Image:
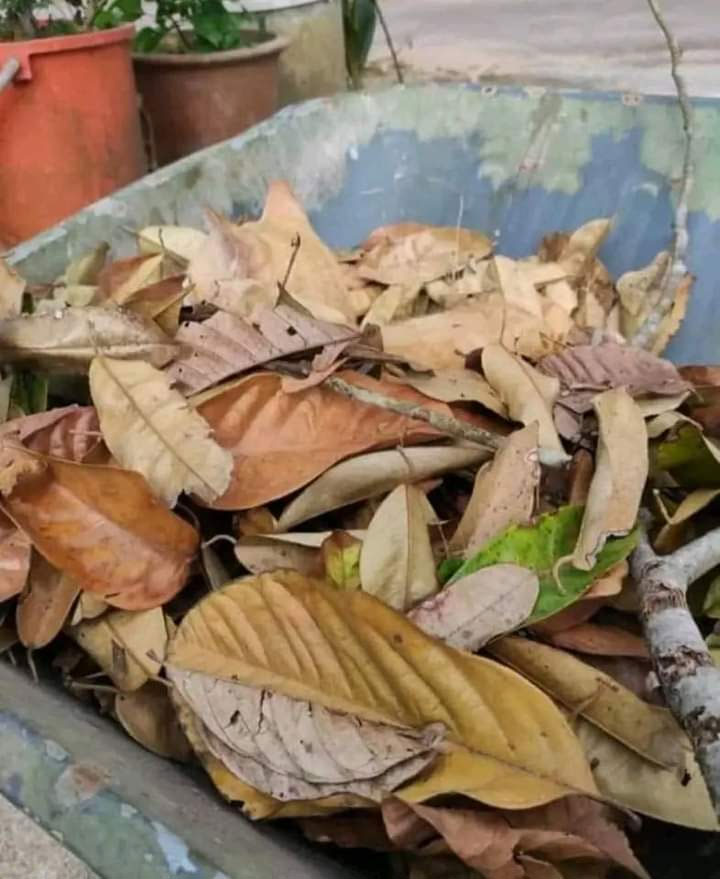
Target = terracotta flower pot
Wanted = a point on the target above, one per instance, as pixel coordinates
(196, 99)
(69, 129)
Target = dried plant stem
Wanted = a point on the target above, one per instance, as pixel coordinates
(444, 423)
(390, 42)
(676, 269)
(687, 673)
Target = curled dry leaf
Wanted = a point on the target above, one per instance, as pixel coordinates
(529, 396)
(503, 494)
(15, 551)
(150, 428)
(472, 611)
(294, 750)
(129, 646)
(148, 716)
(45, 604)
(678, 796)
(260, 554)
(600, 641)
(100, 525)
(511, 751)
(280, 442)
(67, 339)
(225, 345)
(619, 479)
(396, 561)
(497, 844)
(367, 476)
(650, 731)
(70, 432)
(161, 302)
(12, 288)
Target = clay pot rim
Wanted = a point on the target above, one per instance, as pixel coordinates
(273, 46)
(68, 42)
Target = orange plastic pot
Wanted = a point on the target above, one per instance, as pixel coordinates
(194, 100)
(69, 128)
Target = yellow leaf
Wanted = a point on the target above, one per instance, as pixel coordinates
(503, 494)
(178, 241)
(529, 396)
(396, 561)
(582, 689)
(150, 428)
(619, 479)
(351, 653)
(341, 556)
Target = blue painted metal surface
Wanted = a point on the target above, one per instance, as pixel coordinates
(515, 162)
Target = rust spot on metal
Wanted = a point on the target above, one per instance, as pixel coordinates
(79, 783)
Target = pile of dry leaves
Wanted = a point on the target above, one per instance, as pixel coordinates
(353, 529)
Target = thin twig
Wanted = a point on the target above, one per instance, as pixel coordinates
(295, 245)
(676, 269)
(444, 423)
(689, 678)
(389, 40)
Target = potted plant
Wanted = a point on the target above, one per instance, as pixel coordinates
(70, 131)
(204, 74)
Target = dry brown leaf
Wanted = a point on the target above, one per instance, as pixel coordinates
(516, 284)
(670, 324)
(456, 386)
(394, 303)
(477, 608)
(129, 646)
(417, 254)
(678, 796)
(294, 750)
(160, 302)
(71, 432)
(650, 731)
(100, 525)
(148, 716)
(15, 551)
(88, 607)
(396, 561)
(45, 604)
(579, 250)
(12, 287)
(600, 640)
(503, 494)
(225, 345)
(357, 829)
(367, 476)
(67, 339)
(178, 241)
(280, 442)
(497, 844)
(85, 270)
(619, 479)
(529, 396)
(584, 370)
(260, 554)
(150, 428)
(352, 654)
(638, 292)
(121, 280)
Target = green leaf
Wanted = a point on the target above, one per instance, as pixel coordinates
(147, 39)
(360, 18)
(29, 393)
(691, 458)
(539, 547)
(711, 604)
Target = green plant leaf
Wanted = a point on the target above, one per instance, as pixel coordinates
(29, 393)
(691, 458)
(539, 547)
(147, 39)
(360, 18)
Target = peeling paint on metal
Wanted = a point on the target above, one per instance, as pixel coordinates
(79, 783)
(176, 852)
(128, 811)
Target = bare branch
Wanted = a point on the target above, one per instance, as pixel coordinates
(689, 678)
(444, 423)
(676, 269)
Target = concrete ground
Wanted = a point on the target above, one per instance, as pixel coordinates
(614, 44)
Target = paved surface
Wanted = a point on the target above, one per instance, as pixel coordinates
(26, 852)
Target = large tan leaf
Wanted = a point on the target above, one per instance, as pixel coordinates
(675, 795)
(100, 525)
(351, 653)
(477, 608)
(148, 716)
(647, 729)
(503, 494)
(414, 256)
(149, 427)
(496, 844)
(280, 442)
(129, 646)
(396, 561)
(368, 476)
(45, 603)
(456, 386)
(15, 550)
(12, 287)
(263, 553)
(293, 750)
(516, 284)
(224, 345)
(619, 479)
(67, 432)
(67, 339)
(529, 396)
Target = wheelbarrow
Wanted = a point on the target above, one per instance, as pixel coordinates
(515, 162)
